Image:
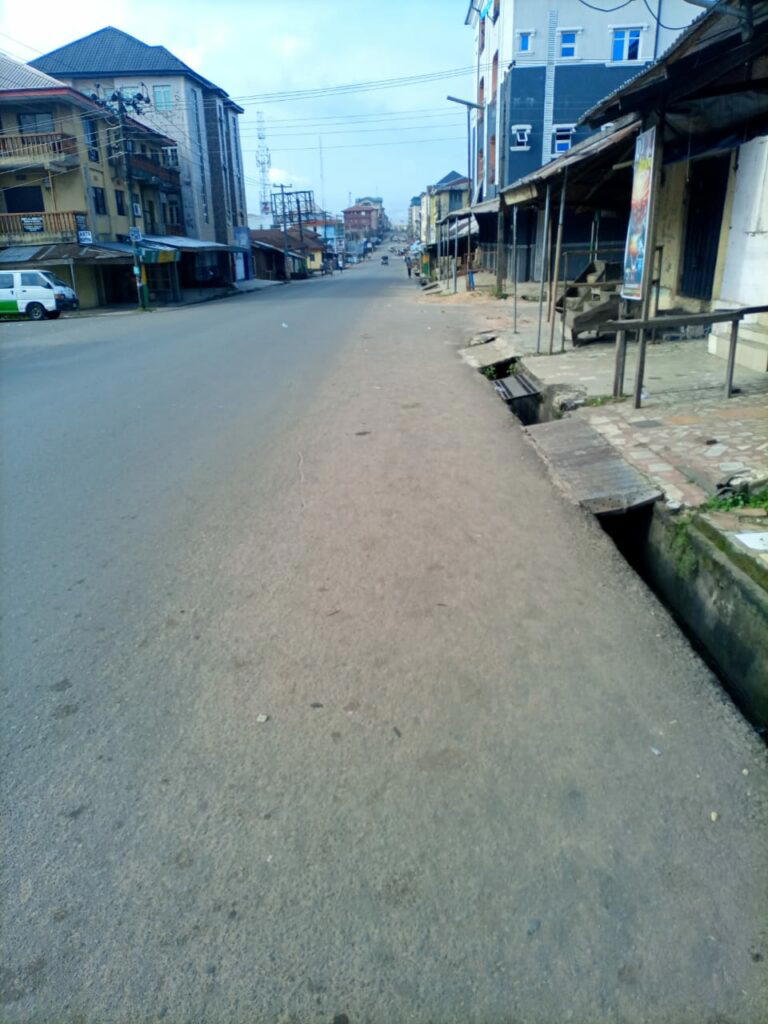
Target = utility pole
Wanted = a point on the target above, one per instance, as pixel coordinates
(136, 102)
(284, 215)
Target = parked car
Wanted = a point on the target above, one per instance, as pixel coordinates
(37, 293)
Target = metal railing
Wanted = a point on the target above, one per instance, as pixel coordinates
(60, 226)
(659, 323)
(43, 147)
(145, 167)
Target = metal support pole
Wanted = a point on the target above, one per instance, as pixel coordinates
(514, 276)
(544, 262)
(501, 241)
(565, 296)
(621, 354)
(455, 254)
(650, 247)
(556, 271)
(640, 371)
(731, 358)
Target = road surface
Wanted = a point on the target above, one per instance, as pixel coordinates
(321, 704)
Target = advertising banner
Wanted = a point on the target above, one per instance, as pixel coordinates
(637, 232)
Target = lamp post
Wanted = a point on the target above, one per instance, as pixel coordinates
(470, 106)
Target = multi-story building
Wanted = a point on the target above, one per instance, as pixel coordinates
(414, 219)
(74, 174)
(445, 196)
(381, 222)
(541, 66)
(182, 104)
(360, 221)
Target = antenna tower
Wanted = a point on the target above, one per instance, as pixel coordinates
(264, 162)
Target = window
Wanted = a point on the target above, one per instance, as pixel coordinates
(163, 97)
(626, 44)
(481, 92)
(91, 137)
(492, 159)
(99, 200)
(36, 123)
(561, 138)
(520, 135)
(568, 43)
(120, 202)
(170, 156)
(495, 74)
(30, 280)
(173, 212)
(6, 280)
(525, 42)
(481, 36)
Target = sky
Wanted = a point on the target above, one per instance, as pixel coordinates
(389, 142)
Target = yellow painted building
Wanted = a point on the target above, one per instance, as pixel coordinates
(73, 174)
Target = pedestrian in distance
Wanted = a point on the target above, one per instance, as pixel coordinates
(409, 265)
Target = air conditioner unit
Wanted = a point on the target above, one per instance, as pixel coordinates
(136, 209)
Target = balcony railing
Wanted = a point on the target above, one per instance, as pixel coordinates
(41, 149)
(144, 169)
(28, 228)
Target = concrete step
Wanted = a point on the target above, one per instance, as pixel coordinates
(749, 353)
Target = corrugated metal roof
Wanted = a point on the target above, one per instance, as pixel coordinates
(112, 51)
(651, 69)
(16, 75)
(591, 147)
(18, 253)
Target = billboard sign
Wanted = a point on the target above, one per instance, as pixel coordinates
(639, 217)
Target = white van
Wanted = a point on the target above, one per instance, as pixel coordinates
(38, 293)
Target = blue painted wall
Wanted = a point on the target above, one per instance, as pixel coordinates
(577, 88)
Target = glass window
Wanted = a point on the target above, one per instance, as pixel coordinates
(120, 202)
(35, 123)
(91, 137)
(6, 280)
(524, 43)
(626, 44)
(561, 139)
(34, 280)
(567, 44)
(163, 97)
(99, 200)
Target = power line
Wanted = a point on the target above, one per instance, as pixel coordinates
(366, 145)
(352, 87)
(660, 23)
(606, 10)
(365, 131)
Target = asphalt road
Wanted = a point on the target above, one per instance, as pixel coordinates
(484, 788)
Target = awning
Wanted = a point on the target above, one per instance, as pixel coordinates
(598, 149)
(275, 248)
(66, 252)
(191, 244)
(488, 206)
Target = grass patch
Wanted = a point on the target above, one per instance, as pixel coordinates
(497, 371)
(729, 502)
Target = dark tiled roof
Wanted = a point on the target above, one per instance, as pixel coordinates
(450, 176)
(111, 51)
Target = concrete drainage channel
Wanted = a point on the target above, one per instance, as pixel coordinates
(718, 595)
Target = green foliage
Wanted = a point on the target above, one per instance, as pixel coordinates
(743, 499)
(681, 550)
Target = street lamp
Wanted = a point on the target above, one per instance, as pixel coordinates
(470, 107)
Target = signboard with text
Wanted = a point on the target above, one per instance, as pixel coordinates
(637, 231)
